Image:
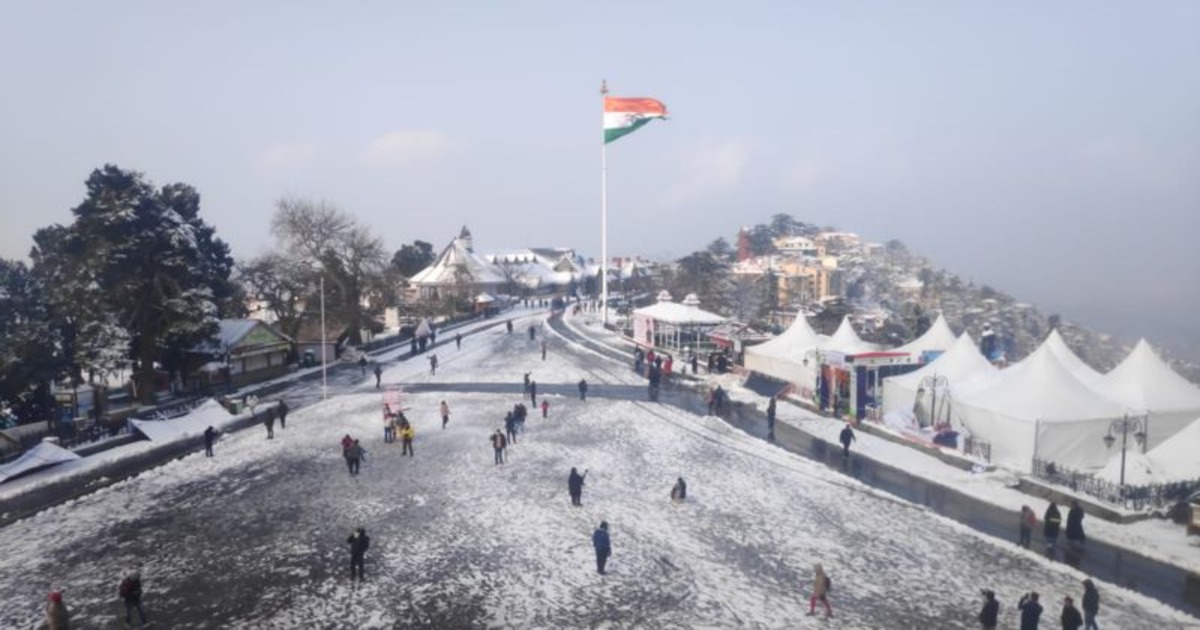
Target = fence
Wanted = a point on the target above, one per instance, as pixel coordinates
(1140, 497)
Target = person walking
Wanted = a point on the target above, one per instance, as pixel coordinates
(130, 591)
(990, 615)
(406, 438)
(771, 418)
(820, 592)
(603, 545)
(1075, 524)
(1031, 611)
(283, 411)
(545, 408)
(269, 420)
(389, 427)
(498, 445)
(210, 436)
(1051, 522)
(458, 341)
(378, 375)
(543, 349)
(533, 392)
(359, 543)
(57, 617)
(527, 383)
(583, 389)
(510, 427)
(1028, 520)
(353, 456)
(445, 411)
(575, 486)
(1070, 618)
(679, 491)
(846, 437)
(362, 365)
(1091, 605)
(433, 364)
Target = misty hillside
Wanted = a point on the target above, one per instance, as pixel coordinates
(894, 294)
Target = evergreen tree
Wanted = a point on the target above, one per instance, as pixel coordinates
(139, 257)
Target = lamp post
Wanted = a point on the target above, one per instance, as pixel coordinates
(324, 344)
(931, 384)
(1125, 426)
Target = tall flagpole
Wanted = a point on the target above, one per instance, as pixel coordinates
(603, 208)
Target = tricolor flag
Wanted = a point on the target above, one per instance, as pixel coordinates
(625, 115)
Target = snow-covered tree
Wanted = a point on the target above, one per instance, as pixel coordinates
(31, 353)
(141, 258)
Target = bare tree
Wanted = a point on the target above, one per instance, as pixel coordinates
(351, 257)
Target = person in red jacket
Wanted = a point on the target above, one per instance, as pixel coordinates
(545, 408)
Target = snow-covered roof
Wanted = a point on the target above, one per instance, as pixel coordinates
(42, 455)
(1055, 343)
(939, 337)
(1175, 459)
(959, 363)
(457, 258)
(676, 313)
(231, 332)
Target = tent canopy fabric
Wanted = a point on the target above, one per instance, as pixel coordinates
(1145, 381)
(1039, 408)
(961, 362)
(40, 456)
(783, 357)
(1175, 459)
(939, 337)
(1055, 343)
(847, 341)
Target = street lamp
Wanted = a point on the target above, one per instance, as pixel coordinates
(931, 384)
(1125, 426)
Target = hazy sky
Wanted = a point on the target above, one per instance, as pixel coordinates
(1049, 149)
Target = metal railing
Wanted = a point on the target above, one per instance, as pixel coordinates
(1136, 497)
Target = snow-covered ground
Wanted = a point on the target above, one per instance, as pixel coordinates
(1154, 538)
(256, 536)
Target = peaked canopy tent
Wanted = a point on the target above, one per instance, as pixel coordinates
(1144, 381)
(1040, 409)
(1086, 373)
(959, 363)
(790, 356)
(675, 326)
(938, 339)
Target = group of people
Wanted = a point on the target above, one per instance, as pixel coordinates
(1052, 524)
(1030, 609)
(129, 590)
(395, 423)
(353, 453)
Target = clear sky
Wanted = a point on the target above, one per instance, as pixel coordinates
(1051, 150)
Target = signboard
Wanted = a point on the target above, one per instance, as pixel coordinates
(833, 358)
(643, 330)
(393, 399)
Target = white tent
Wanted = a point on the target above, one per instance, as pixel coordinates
(40, 456)
(1175, 459)
(939, 338)
(209, 413)
(1086, 373)
(847, 341)
(784, 357)
(1144, 382)
(958, 364)
(1040, 408)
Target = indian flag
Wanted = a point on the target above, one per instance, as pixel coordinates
(626, 115)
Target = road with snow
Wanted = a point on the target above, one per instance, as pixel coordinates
(256, 536)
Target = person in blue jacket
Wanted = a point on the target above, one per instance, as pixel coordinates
(603, 546)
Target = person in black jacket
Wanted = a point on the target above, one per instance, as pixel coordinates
(603, 546)
(210, 436)
(989, 616)
(679, 491)
(771, 419)
(1031, 611)
(575, 486)
(846, 437)
(359, 542)
(582, 389)
(1075, 524)
(130, 590)
(283, 409)
(1050, 524)
(1091, 605)
(1071, 619)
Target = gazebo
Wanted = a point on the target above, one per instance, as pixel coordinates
(675, 326)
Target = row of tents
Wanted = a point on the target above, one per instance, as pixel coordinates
(1051, 406)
